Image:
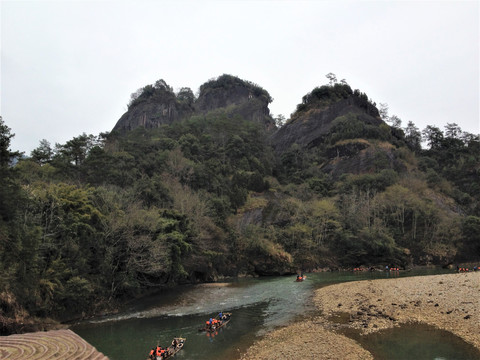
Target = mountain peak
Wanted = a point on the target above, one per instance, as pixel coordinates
(156, 105)
(320, 111)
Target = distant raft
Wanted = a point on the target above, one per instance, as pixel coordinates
(301, 278)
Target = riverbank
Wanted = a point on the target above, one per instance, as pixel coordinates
(449, 302)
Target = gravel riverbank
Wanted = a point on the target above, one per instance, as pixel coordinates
(449, 302)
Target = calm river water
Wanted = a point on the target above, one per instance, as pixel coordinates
(258, 305)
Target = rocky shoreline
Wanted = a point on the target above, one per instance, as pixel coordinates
(449, 302)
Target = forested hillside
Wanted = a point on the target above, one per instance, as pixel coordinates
(220, 191)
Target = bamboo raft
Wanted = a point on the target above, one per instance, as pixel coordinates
(214, 328)
(171, 351)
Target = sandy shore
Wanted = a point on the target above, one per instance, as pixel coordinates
(450, 302)
(306, 340)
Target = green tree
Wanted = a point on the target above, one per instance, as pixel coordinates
(433, 136)
(326, 223)
(6, 155)
(43, 153)
(75, 151)
(186, 95)
(161, 85)
(10, 192)
(452, 131)
(413, 137)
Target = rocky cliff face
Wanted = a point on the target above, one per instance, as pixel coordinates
(162, 108)
(314, 123)
(362, 158)
(159, 105)
(236, 96)
(347, 130)
(310, 127)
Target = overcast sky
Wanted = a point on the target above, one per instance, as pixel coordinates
(69, 67)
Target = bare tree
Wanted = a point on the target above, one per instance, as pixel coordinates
(383, 110)
(395, 121)
(332, 78)
(280, 120)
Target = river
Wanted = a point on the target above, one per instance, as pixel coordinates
(258, 306)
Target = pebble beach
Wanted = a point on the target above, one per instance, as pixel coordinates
(450, 302)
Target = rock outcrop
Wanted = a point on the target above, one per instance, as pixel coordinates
(361, 157)
(157, 105)
(161, 108)
(309, 128)
(345, 126)
(236, 97)
(322, 119)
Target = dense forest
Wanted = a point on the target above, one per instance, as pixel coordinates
(87, 224)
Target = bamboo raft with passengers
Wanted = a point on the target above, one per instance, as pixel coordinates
(159, 353)
(216, 323)
(301, 278)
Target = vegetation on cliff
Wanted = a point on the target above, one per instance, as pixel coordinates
(101, 219)
(226, 83)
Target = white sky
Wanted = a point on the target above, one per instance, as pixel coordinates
(69, 67)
